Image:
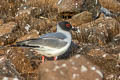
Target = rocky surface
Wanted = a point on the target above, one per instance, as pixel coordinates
(81, 18)
(100, 31)
(4, 29)
(77, 67)
(112, 5)
(95, 53)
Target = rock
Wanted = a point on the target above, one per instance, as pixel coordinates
(2, 51)
(118, 18)
(26, 23)
(23, 20)
(61, 5)
(7, 28)
(1, 21)
(19, 60)
(22, 65)
(31, 34)
(96, 52)
(116, 39)
(99, 32)
(100, 53)
(92, 6)
(9, 8)
(24, 11)
(69, 5)
(10, 38)
(2, 59)
(109, 63)
(16, 64)
(112, 5)
(43, 8)
(9, 33)
(76, 68)
(81, 18)
(8, 78)
(40, 3)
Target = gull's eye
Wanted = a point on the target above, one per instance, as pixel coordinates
(68, 25)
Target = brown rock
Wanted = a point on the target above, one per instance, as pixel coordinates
(8, 78)
(100, 31)
(1, 22)
(10, 38)
(26, 23)
(70, 5)
(100, 53)
(43, 7)
(3, 58)
(110, 24)
(24, 11)
(37, 3)
(19, 60)
(118, 18)
(61, 5)
(81, 18)
(22, 20)
(31, 34)
(96, 52)
(9, 8)
(117, 38)
(16, 64)
(92, 6)
(9, 33)
(112, 5)
(7, 28)
(76, 68)
(108, 62)
(2, 51)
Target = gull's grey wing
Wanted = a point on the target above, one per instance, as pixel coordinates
(57, 35)
(49, 40)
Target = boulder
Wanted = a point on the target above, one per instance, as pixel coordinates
(75, 68)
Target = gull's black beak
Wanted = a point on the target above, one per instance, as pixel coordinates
(74, 29)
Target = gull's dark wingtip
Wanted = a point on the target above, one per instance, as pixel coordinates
(15, 45)
(19, 44)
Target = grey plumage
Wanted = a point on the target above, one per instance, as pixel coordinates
(54, 35)
(53, 40)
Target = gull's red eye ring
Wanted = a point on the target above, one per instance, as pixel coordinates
(67, 25)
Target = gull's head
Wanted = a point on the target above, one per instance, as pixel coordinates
(64, 25)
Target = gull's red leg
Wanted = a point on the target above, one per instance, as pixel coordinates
(55, 58)
(43, 59)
